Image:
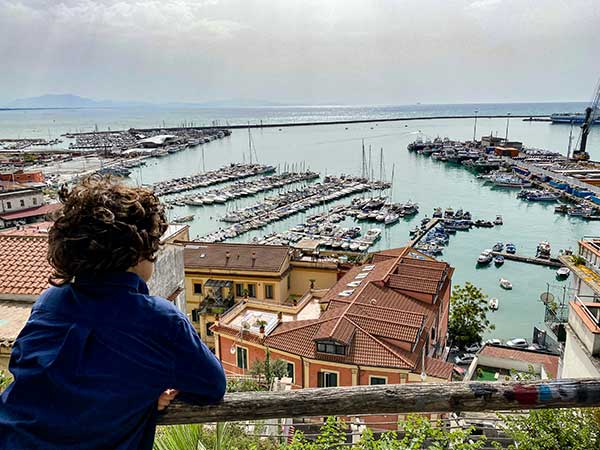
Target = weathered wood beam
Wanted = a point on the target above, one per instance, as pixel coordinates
(391, 399)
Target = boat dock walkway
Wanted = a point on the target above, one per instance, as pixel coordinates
(557, 176)
(432, 223)
(552, 262)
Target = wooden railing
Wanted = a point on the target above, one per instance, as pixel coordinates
(391, 399)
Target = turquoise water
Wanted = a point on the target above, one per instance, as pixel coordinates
(337, 149)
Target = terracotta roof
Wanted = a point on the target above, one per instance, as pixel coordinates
(419, 275)
(392, 253)
(24, 269)
(550, 362)
(13, 316)
(374, 320)
(31, 212)
(437, 368)
(261, 258)
(413, 283)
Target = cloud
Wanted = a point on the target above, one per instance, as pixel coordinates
(347, 51)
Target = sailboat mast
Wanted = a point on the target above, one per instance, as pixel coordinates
(249, 143)
(363, 162)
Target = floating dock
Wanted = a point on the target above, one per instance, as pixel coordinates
(552, 262)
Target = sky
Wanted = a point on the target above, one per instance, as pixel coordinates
(301, 51)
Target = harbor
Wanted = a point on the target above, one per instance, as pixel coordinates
(422, 180)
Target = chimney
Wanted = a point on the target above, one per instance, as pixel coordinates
(227, 257)
(253, 258)
(280, 316)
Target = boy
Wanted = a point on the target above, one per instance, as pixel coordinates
(99, 356)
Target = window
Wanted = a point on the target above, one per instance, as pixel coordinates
(433, 334)
(290, 371)
(327, 379)
(252, 290)
(198, 288)
(377, 380)
(8, 205)
(239, 290)
(242, 357)
(268, 291)
(289, 282)
(195, 315)
(331, 347)
(34, 200)
(208, 330)
(22, 203)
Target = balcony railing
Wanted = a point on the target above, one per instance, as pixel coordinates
(391, 399)
(580, 299)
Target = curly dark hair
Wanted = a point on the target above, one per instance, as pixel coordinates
(103, 226)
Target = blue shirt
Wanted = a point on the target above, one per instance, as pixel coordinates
(91, 362)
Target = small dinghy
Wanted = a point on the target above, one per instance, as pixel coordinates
(563, 272)
(494, 304)
(499, 260)
(505, 284)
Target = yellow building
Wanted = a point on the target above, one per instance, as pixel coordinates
(219, 275)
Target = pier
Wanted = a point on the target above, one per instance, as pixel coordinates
(423, 232)
(552, 262)
(317, 123)
(241, 189)
(222, 175)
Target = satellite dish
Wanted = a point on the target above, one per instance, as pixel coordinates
(546, 297)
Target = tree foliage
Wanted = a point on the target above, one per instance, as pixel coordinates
(554, 429)
(269, 369)
(468, 315)
(5, 380)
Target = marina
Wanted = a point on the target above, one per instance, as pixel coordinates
(224, 174)
(241, 189)
(286, 204)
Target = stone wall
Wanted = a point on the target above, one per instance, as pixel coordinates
(169, 274)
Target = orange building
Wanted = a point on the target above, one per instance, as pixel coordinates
(23, 177)
(383, 322)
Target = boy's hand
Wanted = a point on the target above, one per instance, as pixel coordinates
(166, 398)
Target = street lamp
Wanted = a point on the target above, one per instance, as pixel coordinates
(475, 125)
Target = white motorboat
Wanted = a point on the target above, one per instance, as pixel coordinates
(485, 257)
(494, 304)
(505, 284)
(563, 272)
(391, 218)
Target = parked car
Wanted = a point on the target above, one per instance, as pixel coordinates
(466, 358)
(473, 348)
(494, 341)
(517, 343)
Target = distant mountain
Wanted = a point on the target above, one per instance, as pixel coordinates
(54, 101)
